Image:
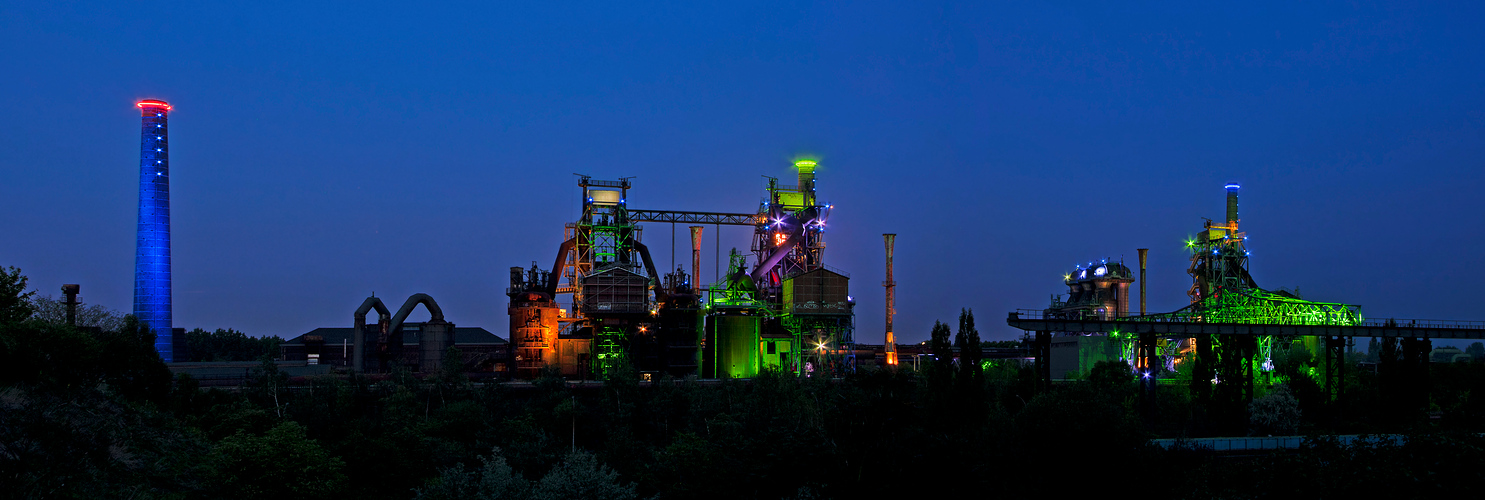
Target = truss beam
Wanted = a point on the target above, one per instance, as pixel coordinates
(718, 218)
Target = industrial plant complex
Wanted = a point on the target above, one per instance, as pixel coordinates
(742, 251)
(602, 307)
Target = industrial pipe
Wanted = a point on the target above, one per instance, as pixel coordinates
(644, 253)
(437, 334)
(559, 266)
(781, 251)
(696, 259)
(412, 302)
(358, 335)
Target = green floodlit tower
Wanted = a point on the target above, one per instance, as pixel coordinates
(609, 273)
(787, 311)
(811, 304)
(1223, 291)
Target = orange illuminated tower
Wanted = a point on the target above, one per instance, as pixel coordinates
(889, 239)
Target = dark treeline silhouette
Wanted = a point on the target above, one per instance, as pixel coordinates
(228, 345)
(85, 414)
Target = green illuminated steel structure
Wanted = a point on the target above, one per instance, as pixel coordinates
(787, 311)
(733, 324)
(811, 301)
(1223, 294)
(1223, 291)
(799, 312)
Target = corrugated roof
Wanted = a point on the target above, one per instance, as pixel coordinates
(463, 335)
(818, 271)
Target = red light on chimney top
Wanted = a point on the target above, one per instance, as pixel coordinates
(153, 103)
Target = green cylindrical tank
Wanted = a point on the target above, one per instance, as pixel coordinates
(737, 346)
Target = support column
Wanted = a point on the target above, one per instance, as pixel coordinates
(1335, 367)
(1149, 366)
(358, 344)
(1203, 368)
(1041, 348)
(1415, 370)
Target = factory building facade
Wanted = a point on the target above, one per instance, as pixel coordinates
(480, 351)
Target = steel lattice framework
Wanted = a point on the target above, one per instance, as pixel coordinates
(1258, 306)
(716, 218)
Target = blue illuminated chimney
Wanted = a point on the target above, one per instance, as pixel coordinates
(152, 246)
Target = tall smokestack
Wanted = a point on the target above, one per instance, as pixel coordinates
(696, 259)
(152, 244)
(1232, 206)
(890, 239)
(1144, 253)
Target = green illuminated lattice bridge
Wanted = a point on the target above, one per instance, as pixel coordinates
(1258, 306)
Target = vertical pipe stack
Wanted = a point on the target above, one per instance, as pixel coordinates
(890, 239)
(1144, 253)
(152, 245)
(696, 259)
(1232, 207)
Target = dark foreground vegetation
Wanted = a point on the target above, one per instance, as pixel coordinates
(95, 414)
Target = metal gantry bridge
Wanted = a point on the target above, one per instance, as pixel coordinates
(714, 218)
(1034, 321)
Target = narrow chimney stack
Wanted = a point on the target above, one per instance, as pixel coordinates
(890, 239)
(1144, 254)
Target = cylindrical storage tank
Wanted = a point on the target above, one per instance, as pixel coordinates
(680, 339)
(737, 346)
(434, 340)
(1123, 300)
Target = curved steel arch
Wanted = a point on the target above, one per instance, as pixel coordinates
(373, 303)
(412, 303)
(384, 320)
(437, 334)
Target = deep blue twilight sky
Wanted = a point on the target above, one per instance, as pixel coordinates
(320, 153)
